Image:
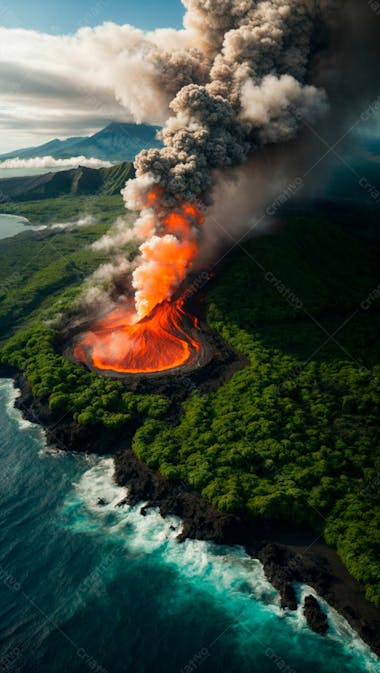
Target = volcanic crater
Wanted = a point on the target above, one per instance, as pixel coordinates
(170, 348)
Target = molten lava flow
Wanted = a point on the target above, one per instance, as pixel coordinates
(156, 334)
(159, 342)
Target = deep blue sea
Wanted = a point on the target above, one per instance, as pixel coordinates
(91, 588)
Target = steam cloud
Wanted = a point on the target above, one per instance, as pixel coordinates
(85, 221)
(242, 76)
(50, 162)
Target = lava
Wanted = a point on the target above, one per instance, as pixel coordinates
(166, 256)
(118, 342)
(154, 333)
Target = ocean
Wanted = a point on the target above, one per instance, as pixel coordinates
(10, 225)
(86, 586)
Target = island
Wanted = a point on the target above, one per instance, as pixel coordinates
(272, 443)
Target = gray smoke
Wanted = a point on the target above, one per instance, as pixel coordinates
(256, 93)
(257, 72)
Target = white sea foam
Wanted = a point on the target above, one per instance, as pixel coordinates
(48, 451)
(235, 581)
(11, 393)
(339, 629)
(226, 572)
(152, 533)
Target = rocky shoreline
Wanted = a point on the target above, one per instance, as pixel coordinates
(288, 554)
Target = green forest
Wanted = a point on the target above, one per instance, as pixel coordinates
(294, 435)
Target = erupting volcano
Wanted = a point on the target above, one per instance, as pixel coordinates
(155, 334)
(164, 340)
(243, 75)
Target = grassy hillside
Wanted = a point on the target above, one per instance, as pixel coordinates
(76, 181)
(67, 208)
(36, 267)
(292, 436)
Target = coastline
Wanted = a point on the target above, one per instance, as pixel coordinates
(288, 553)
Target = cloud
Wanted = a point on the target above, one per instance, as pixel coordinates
(50, 162)
(74, 84)
(79, 82)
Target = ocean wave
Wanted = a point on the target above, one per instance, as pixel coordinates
(11, 393)
(227, 573)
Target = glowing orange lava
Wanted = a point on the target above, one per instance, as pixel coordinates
(161, 341)
(167, 256)
(156, 334)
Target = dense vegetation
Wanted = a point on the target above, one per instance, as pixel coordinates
(293, 435)
(41, 276)
(36, 267)
(105, 208)
(74, 181)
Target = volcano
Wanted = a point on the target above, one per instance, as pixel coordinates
(154, 333)
(169, 338)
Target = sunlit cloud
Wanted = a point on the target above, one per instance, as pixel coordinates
(50, 162)
(75, 84)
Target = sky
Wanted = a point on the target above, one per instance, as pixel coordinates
(31, 111)
(65, 71)
(66, 16)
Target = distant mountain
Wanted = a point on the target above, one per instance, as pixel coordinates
(81, 180)
(116, 142)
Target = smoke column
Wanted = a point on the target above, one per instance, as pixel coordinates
(242, 76)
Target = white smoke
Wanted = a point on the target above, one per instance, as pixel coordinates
(118, 236)
(271, 105)
(85, 221)
(108, 284)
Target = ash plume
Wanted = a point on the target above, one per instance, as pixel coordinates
(251, 74)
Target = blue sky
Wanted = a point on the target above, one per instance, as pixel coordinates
(55, 85)
(67, 16)
(39, 83)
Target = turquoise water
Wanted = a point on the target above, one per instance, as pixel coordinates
(10, 225)
(85, 587)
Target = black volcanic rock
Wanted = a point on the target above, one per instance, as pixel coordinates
(286, 554)
(200, 520)
(315, 617)
(272, 556)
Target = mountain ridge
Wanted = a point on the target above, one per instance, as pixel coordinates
(118, 141)
(80, 181)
